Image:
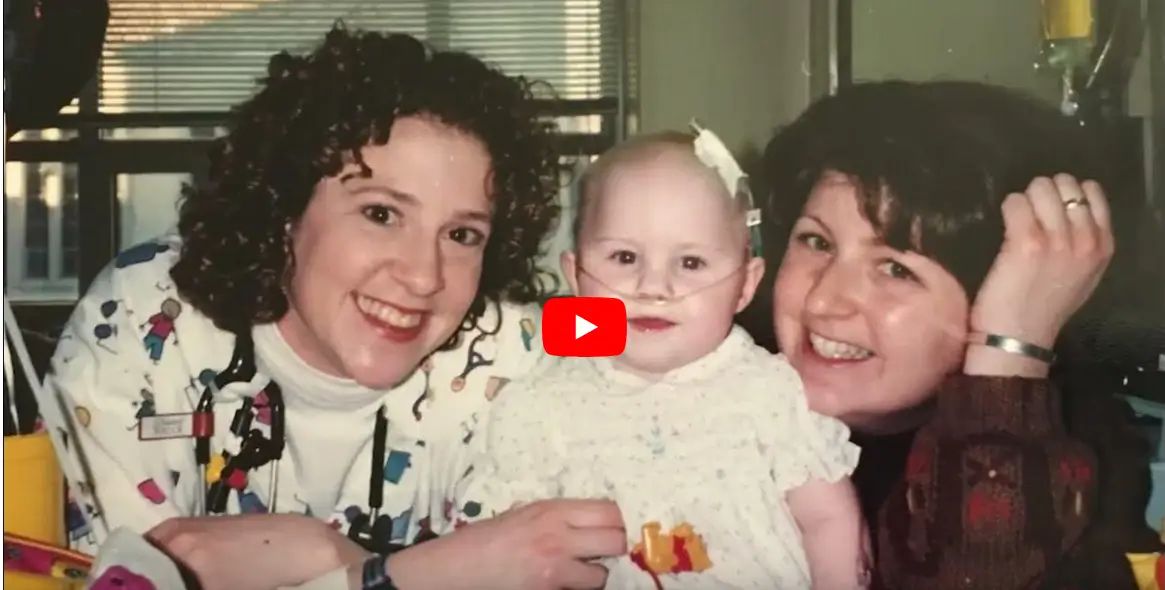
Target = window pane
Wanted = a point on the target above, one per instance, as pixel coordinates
(41, 231)
(70, 231)
(45, 134)
(162, 133)
(36, 224)
(563, 42)
(188, 56)
(149, 204)
(36, 263)
(580, 124)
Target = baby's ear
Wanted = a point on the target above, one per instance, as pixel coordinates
(570, 269)
(754, 271)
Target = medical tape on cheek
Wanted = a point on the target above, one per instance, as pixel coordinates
(712, 152)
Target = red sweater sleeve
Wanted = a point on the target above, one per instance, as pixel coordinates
(995, 493)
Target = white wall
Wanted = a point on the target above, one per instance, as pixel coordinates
(739, 66)
(995, 41)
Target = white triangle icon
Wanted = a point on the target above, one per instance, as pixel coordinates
(582, 327)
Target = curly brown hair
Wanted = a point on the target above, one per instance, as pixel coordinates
(313, 113)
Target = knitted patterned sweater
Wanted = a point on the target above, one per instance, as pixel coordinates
(1015, 483)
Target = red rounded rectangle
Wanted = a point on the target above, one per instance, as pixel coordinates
(584, 326)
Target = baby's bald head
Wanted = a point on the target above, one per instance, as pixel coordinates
(668, 153)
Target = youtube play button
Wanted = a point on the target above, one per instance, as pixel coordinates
(584, 326)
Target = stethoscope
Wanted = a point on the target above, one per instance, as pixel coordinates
(373, 531)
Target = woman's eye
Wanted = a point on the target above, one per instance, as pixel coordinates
(692, 263)
(467, 236)
(623, 257)
(380, 214)
(897, 271)
(814, 241)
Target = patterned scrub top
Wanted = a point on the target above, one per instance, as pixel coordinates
(134, 349)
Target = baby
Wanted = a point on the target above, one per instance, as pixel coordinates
(724, 476)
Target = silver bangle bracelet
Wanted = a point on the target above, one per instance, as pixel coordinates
(1014, 346)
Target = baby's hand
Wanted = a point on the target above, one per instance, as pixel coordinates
(834, 534)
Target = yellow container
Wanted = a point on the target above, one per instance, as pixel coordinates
(34, 502)
(1068, 19)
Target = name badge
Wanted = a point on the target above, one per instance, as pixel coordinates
(166, 426)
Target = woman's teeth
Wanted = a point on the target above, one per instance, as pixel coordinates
(832, 349)
(387, 313)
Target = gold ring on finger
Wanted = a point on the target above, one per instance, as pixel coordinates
(1071, 204)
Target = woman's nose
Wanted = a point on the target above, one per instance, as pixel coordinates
(419, 270)
(833, 293)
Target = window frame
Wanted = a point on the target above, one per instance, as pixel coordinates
(99, 158)
(98, 162)
(34, 183)
(54, 247)
(439, 31)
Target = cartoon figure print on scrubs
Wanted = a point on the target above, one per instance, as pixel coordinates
(309, 320)
(160, 327)
(157, 480)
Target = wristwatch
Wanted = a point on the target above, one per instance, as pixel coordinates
(375, 574)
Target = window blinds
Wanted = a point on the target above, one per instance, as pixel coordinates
(184, 56)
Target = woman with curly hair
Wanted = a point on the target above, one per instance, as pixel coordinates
(370, 232)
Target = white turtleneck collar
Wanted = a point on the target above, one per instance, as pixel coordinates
(305, 387)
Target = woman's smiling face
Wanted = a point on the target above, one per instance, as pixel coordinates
(387, 264)
(872, 330)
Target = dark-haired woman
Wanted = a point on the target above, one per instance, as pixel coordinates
(371, 231)
(932, 241)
